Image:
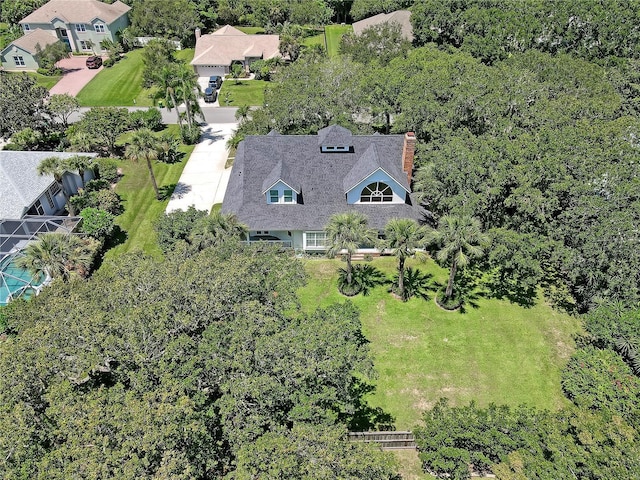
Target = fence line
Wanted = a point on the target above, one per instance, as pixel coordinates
(386, 440)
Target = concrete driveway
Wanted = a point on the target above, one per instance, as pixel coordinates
(204, 179)
(75, 75)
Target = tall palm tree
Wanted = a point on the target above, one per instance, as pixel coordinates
(189, 91)
(168, 82)
(79, 163)
(460, 239)
(403, 236)
(57, 167)
(347, 231)
(144, 146)
(213, 229)
(55, 255)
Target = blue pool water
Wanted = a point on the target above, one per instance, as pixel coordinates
(16, 282)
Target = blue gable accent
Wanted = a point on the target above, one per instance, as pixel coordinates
(399, 192)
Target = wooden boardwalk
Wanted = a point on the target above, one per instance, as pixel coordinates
(386, 440)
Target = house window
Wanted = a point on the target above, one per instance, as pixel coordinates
(81, 27)
(49, 199)
(273, 196)
(376, 192)
(99, 28)
(85, 45)
(19, 60)
(334, 149)
(55, 189)
(26, 27)
(288, 196)
(39, 208)
(315, 239)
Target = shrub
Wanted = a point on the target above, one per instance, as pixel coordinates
(109, 62)
(176, 226)
(95, 185)
(150, 118)
(106, 169)
(364, 277)
(97, 223)
(190, 135)
(601, 380)
(416, 284)
(105, 199)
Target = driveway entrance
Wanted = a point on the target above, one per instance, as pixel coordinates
(75, 75)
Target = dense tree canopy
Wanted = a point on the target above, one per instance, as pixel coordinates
(171, 369)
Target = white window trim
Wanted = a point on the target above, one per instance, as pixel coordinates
(19, 61)
(85, 45)
(335, 149)
(81, 27)
(281, 196)
(26, 27)
(100, 28)
(314, 247)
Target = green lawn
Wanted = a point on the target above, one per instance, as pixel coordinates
(141, 207)
(45, 81)
(186, 54)
(498, 352)
(120, 85)
(246, 92)
(334, 34)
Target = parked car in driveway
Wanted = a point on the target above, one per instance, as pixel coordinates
(210, 94)
(215, 82)
(94, 62)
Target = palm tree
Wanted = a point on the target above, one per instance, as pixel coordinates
(55, 255)
(347, 231)
(79, 163)
(403, 236)
(168, 81)
(189, 91)
(57, 167)
(144, 146)
(460, 239)
(215, 228)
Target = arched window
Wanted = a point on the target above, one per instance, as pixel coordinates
(376, 192)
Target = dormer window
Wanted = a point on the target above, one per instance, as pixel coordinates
(26, 27)
(81, 27)
(376, 192)
(335, 149)
(99, 28)
(281, 194)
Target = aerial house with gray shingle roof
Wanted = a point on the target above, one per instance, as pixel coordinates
(286, 187)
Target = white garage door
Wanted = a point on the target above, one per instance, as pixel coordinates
(209, 70)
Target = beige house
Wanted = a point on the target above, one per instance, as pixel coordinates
(217, 51)
(80, 24)
(401, 17)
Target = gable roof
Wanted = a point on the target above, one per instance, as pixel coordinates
(369, 163)
(29, 41)
(280, 173)
(334, 135)
(77, 11)
(21, 184)
(227, 44)
(319, 176)
(401, 17)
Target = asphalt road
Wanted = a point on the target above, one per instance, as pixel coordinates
(211, 114)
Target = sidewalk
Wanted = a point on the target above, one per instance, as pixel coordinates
(204, 179)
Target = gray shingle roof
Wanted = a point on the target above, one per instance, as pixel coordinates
(368, 163)
(279, 172)
(20, 184)
(335, 136)
(320, 177)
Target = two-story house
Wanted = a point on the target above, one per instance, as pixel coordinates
(286, 187)
(80, 24)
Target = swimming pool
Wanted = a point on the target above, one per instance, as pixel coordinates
(16, 282)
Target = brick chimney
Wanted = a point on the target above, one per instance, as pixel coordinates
(408, 152)
(198, 33)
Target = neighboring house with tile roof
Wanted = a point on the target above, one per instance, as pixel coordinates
(218, 51)
(286, 187)
(24, 192)
(401, 17)
(80, 24)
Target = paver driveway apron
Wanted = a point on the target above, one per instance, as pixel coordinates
(204, 179)
(75, 75)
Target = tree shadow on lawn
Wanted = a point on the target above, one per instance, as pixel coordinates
(118, 237)
(469, 286)
(367, 418)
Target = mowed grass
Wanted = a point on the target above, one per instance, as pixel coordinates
(186, 54)
(141, 207)
(246, 92)
(118, 86)
(497, 352)
(334, 33)
(45, 81)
